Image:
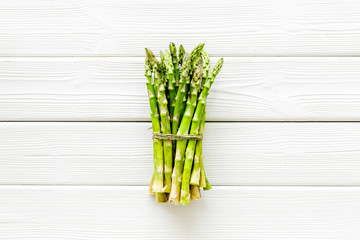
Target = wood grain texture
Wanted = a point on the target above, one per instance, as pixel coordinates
(113, 89)
(229, 28)
(258, 213)
(234, 153)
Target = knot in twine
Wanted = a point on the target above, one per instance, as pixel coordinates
(175, 136)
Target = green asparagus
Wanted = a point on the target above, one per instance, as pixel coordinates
(195, 126)
(181, 144)
(157, 182)
(178, 86)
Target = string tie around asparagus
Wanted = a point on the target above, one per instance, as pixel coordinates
(163, 136)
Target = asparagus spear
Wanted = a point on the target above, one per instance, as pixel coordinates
(203, 179)
(184, 79)
(194, 64)
(166, 129)
(183, 105)
(196, 172)
(155, 68)
(157, 182)
(198, 176)
(181, 144)
(170, 80)
(195, 192)
(159, 76)
(181, 63)
(175, 63)
(165, 125)
(181, 93)
(204, 183)
(195, 53)
(206, 66)
(181, 54)
(161, 197)
(208, 186)
(195, 125)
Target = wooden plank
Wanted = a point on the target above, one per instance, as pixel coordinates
(229, 28)
(234, 153)
(256, 213)
(113, 89)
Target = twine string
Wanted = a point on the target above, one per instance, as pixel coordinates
(175, 136)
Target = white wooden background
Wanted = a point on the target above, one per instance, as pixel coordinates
(282, 145)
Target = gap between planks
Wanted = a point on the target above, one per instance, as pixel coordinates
(142, 186)
(210, 121)
(217, 56)
(145, 186)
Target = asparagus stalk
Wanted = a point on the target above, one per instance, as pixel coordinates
(206, 66)
(194, 67)
(196, 172)
(166, 129)
(161, 197)
(170, 80)
(195, 63)
(181, 63)
(181, 54)
(195, 60)
(181, 144)
(183, 105)
(195, 192)
(198, 169)
(151, 184)
(159, 76)
(175, 63)
(202, 182)
(195, 53)
(155, 68)
(186, 68)
(208, 186)
(195, 126)
(181, 93)
(157, 183)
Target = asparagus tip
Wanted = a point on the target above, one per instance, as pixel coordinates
(151, 56)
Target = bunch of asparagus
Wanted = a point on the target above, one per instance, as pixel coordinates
(178, 86)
